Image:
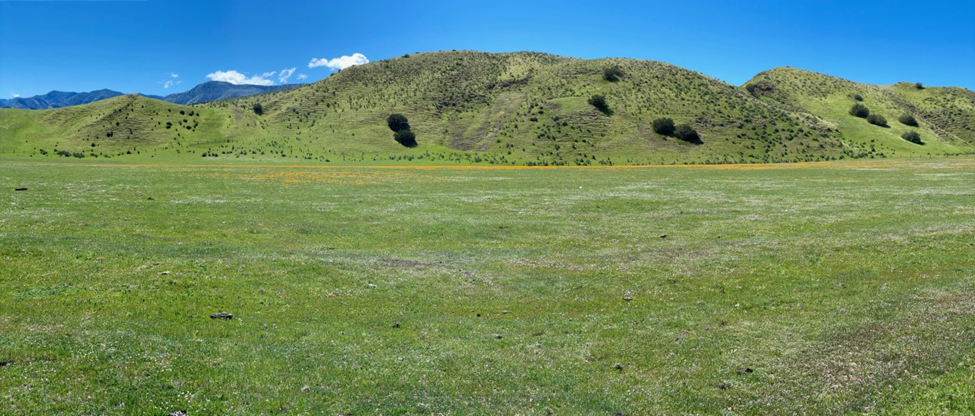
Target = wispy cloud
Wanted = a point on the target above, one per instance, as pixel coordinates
(15, 95)
(238, 78)
(285, 74)
(169, 83)
(302, 76)
(174, 75)
(341, 62)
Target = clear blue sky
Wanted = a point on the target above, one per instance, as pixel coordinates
(137, 46)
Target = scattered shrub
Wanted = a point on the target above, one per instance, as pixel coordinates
(858, 97)
(612, 74)
(859, 110)
(913, 137)
(907, 119)
(877, 120)
(397, 122)
(687, 133)
(599, 101)
(405, 137)
(258, 109)
(919, 85)
(664, 126)
(761, 88)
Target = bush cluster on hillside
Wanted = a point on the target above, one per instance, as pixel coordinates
(397, 122)
(400, 126)
(612, 74)
(664, 126)
(913, 137)
(405, 137)
(761, 88)
(258, 109)
(877, 120)
(907, 119)
(685, 132)
(599, 101)
(859, 110)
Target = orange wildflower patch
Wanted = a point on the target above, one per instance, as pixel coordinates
(336, 176)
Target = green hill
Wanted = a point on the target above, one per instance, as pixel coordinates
(511, 108)
(945, 116)
(123, 125)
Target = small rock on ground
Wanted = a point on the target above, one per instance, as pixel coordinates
(222, 315)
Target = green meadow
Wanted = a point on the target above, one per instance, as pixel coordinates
(813, 288)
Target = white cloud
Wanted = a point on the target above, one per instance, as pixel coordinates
(169, 83)
(285, 74)
(174, 75)
(237, 78)
(340, 62)
(302, 76)
(15, 95)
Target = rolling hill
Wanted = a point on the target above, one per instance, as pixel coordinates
(511, 108)
(945, 117)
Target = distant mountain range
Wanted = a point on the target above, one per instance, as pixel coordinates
(207, 91)
(217, 90)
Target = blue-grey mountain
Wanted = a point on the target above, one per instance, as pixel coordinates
(207, 91)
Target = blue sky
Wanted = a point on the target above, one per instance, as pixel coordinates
(141, 46)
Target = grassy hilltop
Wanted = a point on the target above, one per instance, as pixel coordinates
(511, 108)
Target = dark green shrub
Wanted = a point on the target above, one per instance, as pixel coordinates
(599, 101)
(877, 120)
(405, 137)
(913, 137)
(858, 97)
(687, 133)
(761, 88)
(859, 110)
(664, 126)
(397, 122)
(907, 120)
(919, 85)
(258, 109)
(612, 74)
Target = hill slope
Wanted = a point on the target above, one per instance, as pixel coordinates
(129, 124)
(945, 116)
(532, 108)
(512, 108)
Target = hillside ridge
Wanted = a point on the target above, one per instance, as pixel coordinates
(523, 108)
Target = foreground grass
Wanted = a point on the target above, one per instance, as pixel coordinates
(845, 288)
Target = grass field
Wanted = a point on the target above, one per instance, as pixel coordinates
(819, 288)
